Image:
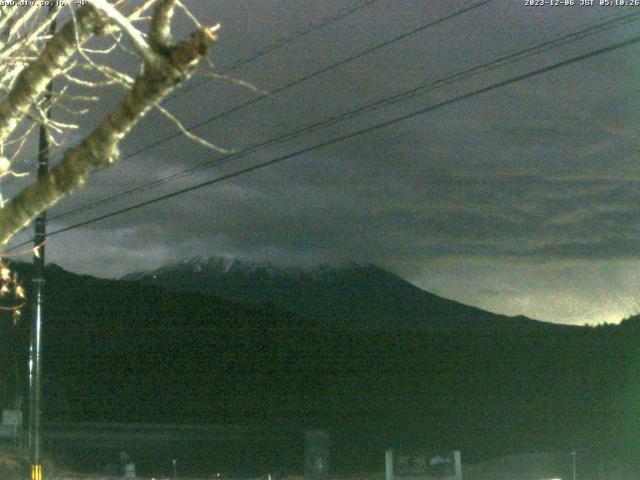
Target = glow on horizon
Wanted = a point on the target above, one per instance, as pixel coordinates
(575, 293)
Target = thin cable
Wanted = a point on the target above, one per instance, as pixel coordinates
(310, 76)
(317, 73)
(281, 43)
(325, 21)
(301, 80)
(385, 102)
(348, 136)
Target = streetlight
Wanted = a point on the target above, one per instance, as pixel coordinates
(175, 469)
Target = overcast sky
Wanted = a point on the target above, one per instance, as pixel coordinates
(523, 200)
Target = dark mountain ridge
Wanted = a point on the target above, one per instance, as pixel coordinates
(130, 351)
(349, 296)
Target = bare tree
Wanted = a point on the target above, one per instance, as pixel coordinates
(30, 58)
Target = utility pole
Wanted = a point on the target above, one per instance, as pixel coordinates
(35, 356)
(573, 454)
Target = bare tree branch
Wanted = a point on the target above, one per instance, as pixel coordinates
(160, 30)
(136, 38)
(32, 81)
(99, 150)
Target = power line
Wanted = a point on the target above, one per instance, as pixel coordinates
(421, 89)
(316, 73)
(305, 78)
(325, 21)
(348, 136)
(281, 43)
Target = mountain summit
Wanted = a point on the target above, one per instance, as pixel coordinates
(348, 295)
